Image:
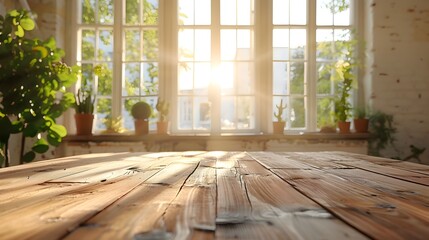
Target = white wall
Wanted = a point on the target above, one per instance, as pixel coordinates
(399, 69)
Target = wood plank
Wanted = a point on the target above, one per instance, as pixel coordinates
(374, 214)
(391, 172)
(43, 172)
(409, 166)
(194, 207)
(315, 160)
(232, 204)
(279, 204)
(139, 213)
(54, 217)
(272, 160)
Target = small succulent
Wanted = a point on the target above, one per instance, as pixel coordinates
(84, 101)
(163, 108)
(279, 112)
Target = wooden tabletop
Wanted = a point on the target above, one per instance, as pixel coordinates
(215, 195)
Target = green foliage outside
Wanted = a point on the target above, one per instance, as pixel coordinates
(33, 83)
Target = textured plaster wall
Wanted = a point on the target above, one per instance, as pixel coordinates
(399, 70)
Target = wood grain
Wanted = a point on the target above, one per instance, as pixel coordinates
(215, 195)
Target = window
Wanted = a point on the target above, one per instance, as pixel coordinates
(219, 63)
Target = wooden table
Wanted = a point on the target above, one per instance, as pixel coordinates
(215, 195)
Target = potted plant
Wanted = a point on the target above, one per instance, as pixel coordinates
(360, 121)
(279, 125)
(342, 104)
(84, 107)
(33, 82)
(141, 112)
(163, 108)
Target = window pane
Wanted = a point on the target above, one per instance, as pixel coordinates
(324, 83)
(87, 75)
(281, 12)
(201, 113)
(202, 12)
(228, 12)
(105, 49)
(132, 15)
(150, 12)
(186, 77)
(325, 48)
(226, 77)
(194, 12)
(150, 45)
(297, 78)
(202, 78)
(186, 44)
(132, 45)
(245, 77)
(128, 120)
(342, 14)
(297, 113)
(131, 85)
(324, 13)
(245, 112)
(150, 78)
(194, 113)
(298, 42)
(228, 113)
(244, 12)
(298, 12)
(244, 45)
(185, 113)
(342, 42)
(280, 44)
(88, 45)
(203, 45)
(103, 112)
(104, 85)
(228, 44)
(186, 12)
(280, 78)
(88, 11)
(105, 11)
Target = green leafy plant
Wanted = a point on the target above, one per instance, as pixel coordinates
(163, 108)
(279, 113)
(33, 83)
(360, 113)
(141, 110)
(342, 104)
(344, 69)
(382, 129)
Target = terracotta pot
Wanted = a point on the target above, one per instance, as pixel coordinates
(361, 125)
(141, 126)
(278, 127)
(84, 123)
(344, 127)
(162, 127)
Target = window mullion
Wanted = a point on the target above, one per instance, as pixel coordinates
(117, 59)
(215, 97)
(311, 120)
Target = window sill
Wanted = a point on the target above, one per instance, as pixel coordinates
(207, 137)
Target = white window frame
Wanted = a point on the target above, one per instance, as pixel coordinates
(168, 58)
